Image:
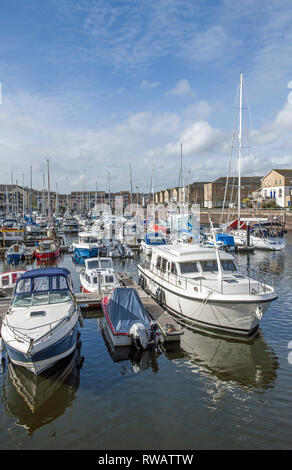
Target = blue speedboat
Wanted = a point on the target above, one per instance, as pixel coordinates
(40, 327)
(87, 246)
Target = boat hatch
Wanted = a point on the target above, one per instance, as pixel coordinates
(230, 281)
(39, 313)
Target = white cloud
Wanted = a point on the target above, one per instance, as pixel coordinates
(146, 84)
(182, 88)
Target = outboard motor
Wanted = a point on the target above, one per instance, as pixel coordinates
(140, 335)
(154, 336)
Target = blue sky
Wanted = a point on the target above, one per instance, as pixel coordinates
(100, 84)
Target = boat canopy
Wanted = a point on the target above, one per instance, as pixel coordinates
(155, 238)
(44, 280)
(227, 240)
(124, 308)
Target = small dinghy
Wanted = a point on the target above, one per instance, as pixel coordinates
(127, 321)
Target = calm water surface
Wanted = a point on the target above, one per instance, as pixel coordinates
(210, 393)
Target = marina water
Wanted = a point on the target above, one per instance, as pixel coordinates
(209, 393)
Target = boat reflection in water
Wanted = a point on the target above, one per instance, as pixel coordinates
(139, 359)
(248, 364)
(37, 400)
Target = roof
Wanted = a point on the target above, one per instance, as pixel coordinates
(244, 179)
(45, 272)
(183, 252)
(285, 173)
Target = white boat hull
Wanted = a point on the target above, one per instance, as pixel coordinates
(234, 316)
(45, 352)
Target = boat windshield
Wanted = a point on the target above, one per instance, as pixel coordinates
(41, 290)
(209, 266)
(228, 265)
(105, 263)
(41, 298)
(93, 264)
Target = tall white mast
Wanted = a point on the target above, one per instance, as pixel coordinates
(131, 185)
(109, 190)
(23, 193)
(239, 149)
(49, 196)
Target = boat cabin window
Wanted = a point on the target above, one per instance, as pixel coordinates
(163, 264)
(5, 280)
(189, 268)
(105, 263)
(158, 262)
(109, 279)
(24, 285)
(41, 283)
(209, 266)
(228, 265)
(173, 268)
(93, 264)
(58, 282)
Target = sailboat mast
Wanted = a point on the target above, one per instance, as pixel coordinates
(239, 149)
(181, 179)
(131, 185)
(23, 193)
(49, 195)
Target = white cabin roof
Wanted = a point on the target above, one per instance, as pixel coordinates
(181, 252)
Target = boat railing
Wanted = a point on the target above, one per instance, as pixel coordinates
(256, 282)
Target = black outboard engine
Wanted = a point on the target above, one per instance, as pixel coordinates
(154, 336)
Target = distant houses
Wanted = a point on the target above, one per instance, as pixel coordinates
(276, 186)
(272, 190)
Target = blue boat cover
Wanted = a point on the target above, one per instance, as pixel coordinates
(124, 308)
(226, 239)
(45, 272)
(154, 239)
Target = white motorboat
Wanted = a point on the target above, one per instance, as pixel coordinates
(98, 276)
(150, 240)
(261, 238)
(70, 225)
(204, 288)
(40, 326)
(8, 280)
(87, 246)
